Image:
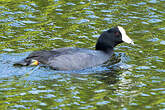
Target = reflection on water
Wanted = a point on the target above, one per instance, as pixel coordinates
(133, 79)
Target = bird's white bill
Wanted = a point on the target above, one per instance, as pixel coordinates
(125, 37)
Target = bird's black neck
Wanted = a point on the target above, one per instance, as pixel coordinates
(105, 48)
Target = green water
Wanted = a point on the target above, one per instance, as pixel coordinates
(136, 80)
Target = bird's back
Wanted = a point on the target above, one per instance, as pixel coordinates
(77, 58)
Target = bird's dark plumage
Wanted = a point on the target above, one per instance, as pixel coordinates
(70, 58)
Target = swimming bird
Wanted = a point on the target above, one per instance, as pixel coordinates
(72, 58)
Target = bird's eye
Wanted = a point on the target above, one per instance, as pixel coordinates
(117, 33)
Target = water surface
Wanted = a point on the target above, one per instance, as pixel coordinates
(134, 80)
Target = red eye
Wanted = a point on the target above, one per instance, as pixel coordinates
(117, 33)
